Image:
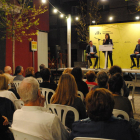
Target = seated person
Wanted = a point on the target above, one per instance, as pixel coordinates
(38, 74)
(101, 123)
(78, 75)
(121, 103)
(34, 119)
(90, 75)
(19, 73)
(29, 72)
(68, 70)
(102, 80)
(116, 69)
(46, 74)
(136, 54)
(91, 52)
(4, 86)
(8, 72)
(66, 94)
(4, 131)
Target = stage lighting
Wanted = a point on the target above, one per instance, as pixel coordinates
(43, 1)
(61, 15)
(77, 18)
(137, 17)
(110, 18)
(55, 11)
(93, 21)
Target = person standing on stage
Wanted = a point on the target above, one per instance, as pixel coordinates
(136, 54)
(108, 41)
(91, 52)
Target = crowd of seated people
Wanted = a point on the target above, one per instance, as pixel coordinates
(95, 111)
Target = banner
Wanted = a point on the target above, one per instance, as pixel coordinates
(124, 36)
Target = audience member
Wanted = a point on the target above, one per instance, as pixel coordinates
(19, 73)
(8, 72)
(102, 80)
(66, 94)
(1, 72)
(34, 119)
(29, 72)
(101, 123)
(68, 70)
(116, 69)
(90, 75)
(4, 85)
(121, 103)
(82, 86)
(46, 74)
(38, 74)
(4, 133)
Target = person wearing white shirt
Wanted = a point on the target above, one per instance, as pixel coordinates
(4, 85)
(34, 119)
(8, 72)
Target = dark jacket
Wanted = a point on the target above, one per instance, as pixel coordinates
(112, 129)
(137, 49)
(88, 49)
(107, 43)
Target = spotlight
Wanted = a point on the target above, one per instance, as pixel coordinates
(43, 1)
(110, 18)
(77, 18)
(61, 15)
(55, 11)
(93, 21)
(137, 17)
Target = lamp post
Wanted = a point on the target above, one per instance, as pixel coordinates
(69, 39)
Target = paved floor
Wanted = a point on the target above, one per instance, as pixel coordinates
(137, 104)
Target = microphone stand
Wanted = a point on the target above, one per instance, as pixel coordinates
(99, 51)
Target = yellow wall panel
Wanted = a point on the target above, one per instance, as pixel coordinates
(124, 36)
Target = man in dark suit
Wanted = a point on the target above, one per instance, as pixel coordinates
(91, 52)
(136, 54)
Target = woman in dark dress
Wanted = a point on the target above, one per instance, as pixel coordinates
(108, 41)
(67, 94)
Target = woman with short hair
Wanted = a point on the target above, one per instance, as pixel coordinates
(101, 123)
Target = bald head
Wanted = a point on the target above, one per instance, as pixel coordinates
(8, 69)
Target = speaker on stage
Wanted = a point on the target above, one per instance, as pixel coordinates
(55, 50)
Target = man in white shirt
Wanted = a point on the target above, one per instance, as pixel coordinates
(8, 72)
(34, 119)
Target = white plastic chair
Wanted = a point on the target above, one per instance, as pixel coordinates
(45, 92)
(18, 104)
(18, 135)
(57, 109)
(16, 83)
(90, 87)
(87, 138)
(117, 113)
(40, 80)
(81, 95)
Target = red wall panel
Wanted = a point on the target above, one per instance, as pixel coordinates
(23, 54)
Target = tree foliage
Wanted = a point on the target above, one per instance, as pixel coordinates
(19, 17)
(86, 15)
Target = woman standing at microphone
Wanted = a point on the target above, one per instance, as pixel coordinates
(108, 41)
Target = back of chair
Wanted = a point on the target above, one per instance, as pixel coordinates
(58, 109)
(18, 135)
(16, 83)
(87, 138)
(45, 92)
(90, 87)
(18, 104)
(120, 113)
(81, 95)
(40, 80)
